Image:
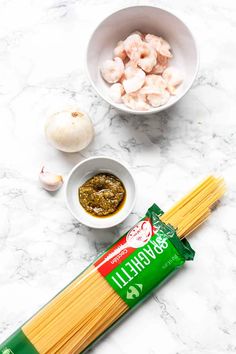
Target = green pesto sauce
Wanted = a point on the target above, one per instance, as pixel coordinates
(102, 195)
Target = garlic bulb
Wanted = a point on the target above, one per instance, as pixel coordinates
(69, 130)
(50, 181)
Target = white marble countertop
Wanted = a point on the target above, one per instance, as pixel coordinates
(42, 247)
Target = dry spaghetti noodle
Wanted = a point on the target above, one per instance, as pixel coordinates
(105, 291)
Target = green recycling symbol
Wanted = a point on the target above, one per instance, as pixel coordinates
(134, 291)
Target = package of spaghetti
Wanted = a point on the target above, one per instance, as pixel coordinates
(113, 285)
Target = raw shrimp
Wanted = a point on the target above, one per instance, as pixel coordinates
(112, 70)
(165, 49)
(154, 84)
(130, 63)
(162, 60)
(130, 70)
(157, 100)
(159, 44)
(154, 41)
(139, 72)
(142, 36)
(136, 101)
(116, 91)
(119, 50)
(134, 79)
(140, 52)
(159, 68)
(173, 78)
(132, 46)
(162, 63)
(147, 57)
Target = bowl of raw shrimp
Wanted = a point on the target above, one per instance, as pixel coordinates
(142, 59)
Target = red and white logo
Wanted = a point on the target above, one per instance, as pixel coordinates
(140, 234)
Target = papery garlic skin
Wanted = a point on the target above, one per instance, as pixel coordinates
(50, 181)
(69, 130)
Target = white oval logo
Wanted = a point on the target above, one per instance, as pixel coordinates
(140, 234)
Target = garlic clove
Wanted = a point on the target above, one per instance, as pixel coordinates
(50, 181)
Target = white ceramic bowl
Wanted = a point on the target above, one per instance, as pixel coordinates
(146, 19)
(85, 170)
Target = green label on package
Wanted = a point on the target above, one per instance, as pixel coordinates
(17, 343)
(143, 258)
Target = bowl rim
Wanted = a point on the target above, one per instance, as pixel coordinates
(118, 221)
(160, 108)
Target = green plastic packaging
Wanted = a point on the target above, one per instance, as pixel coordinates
(144, 257)
(134, 266)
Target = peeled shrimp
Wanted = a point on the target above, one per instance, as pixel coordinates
(158, 69)
(154, 41)
(147, 57)
(159, 44)
(116, 92)
(165, 49)
(139, 72)
(162, 63)
(112, 70)
(131, 70)
(134, 79)
(157, 100)
(173, 79)
(132, 46)
(154, 84)
(140, 52)
(130, 63)
(162, 60)
(142, 36)
(119, 51)
(136, 101)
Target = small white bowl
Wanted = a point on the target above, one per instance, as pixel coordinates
(87, 169)
(146, 19)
